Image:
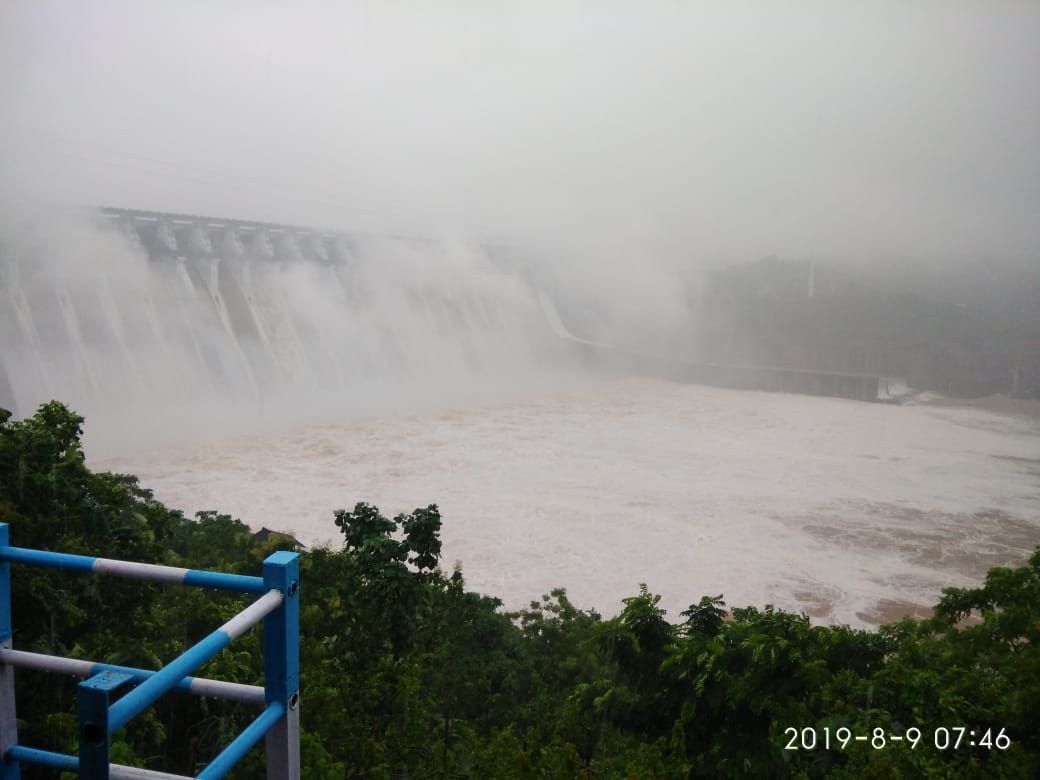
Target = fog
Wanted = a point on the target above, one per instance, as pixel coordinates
(614, 150)
(698, 131)
(154, 352)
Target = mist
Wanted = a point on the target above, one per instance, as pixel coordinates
(615, 151)
(707, 131)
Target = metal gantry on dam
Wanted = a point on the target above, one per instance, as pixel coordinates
(172, 236)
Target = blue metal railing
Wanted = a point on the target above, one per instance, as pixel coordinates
(279, 608)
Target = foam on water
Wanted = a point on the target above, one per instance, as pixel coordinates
(850, 511)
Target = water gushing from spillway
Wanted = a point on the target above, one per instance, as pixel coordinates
(163, 322)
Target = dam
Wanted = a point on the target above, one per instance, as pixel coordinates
(136, 305)
(139, 309)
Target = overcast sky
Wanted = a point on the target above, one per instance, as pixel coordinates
(730, 129)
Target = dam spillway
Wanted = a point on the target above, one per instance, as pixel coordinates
(136, 308)
(132, 314)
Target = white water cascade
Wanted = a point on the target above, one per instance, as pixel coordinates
(154, 315)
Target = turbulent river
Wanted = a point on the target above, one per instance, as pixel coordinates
(852, 512)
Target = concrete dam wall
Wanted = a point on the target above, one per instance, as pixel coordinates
(130, 313)
(138, 308)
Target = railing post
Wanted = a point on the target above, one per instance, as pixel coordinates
(94, 741)
(8, 724)
(282, 665)
(280, 611)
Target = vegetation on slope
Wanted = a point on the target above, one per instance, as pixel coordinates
(407, 674)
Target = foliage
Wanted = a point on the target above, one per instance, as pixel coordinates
(406, 673)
